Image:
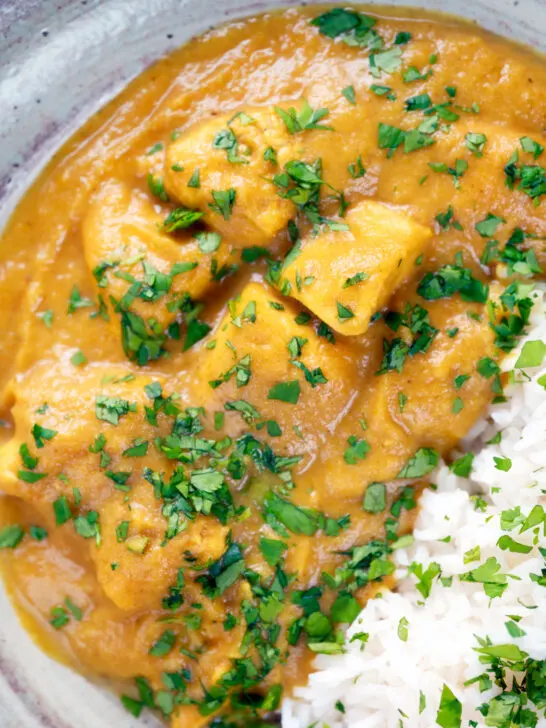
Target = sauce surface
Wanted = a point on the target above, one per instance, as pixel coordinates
(246, 310)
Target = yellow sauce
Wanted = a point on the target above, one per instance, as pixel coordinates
(293, 355)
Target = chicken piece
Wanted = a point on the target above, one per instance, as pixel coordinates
(147, 562)
(482, 179)
(439, 409)
(125, 240)
(261, 334)
(66, 403)
(345, 277)
(431, 403)
(258, 213)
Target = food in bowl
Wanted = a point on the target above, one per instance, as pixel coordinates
(250, 307)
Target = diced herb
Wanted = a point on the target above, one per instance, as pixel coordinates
(304, 119)
(532, 354)
(285, 392)
(62, 510)
(375, 498)
(157, 188)
(223, 202)
(11, 536)
(449, 280)
(111, 409)
(488, 227)
(357, 450)
(450, 711)
(475, 142)
(420, 464)
(349, 93)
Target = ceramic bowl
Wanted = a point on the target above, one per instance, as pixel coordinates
(60, 60)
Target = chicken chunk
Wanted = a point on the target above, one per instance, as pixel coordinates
(125, 240)
(147, 562)
(480, 177)
(431, 402)
(345, 277)
(282, 368)
(230, 153)
(58, 417)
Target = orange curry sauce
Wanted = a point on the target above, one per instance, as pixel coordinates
(246, 308)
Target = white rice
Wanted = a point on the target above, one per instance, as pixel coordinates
(380, 683)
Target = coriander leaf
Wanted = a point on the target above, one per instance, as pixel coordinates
(463, 465)
(344, 312)
(157, 188)
(272, 550)
(345, 609)
(531, 147)
(304, 119)
(357, 450)
(338, 22)
(111, 409)
(181, 218)
(42, 433)
(296, 519)
(223, 202)
(196, 331)
(488, 226)
(532, 354)
(285, 392)
(449, 280)
(164, 644)
(450, 711)
(375, 498)
(11, 536)
(349, 93)
(475, 142)
(420, 464)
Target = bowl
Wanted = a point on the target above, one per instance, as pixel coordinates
(60, 61)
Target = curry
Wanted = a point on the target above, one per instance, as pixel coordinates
(246, 310)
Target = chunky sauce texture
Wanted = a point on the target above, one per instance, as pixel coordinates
(246, 309)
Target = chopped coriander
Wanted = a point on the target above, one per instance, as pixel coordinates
(380, 90)
(344, 312)
(531, 147)
(111, 409)
(157, 188)
(78, 359)
(450, 711)
(223, 202)
(11, 536)
(354, 280)
(532, 354)
(357, 450)
(375, 498)
(285, 392)
(475, 142)
(420, 464)
(449, 280)
(194, 181)
(196, 331)
(62, 510)
(357, 170)
(35, 532)
(163, 645)
(304, 119)
(29, 477)
(488, 227)
(463, 465)
(503, 464)
(181, 218)
(349, 93)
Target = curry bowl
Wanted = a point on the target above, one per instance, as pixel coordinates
(274, 393)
